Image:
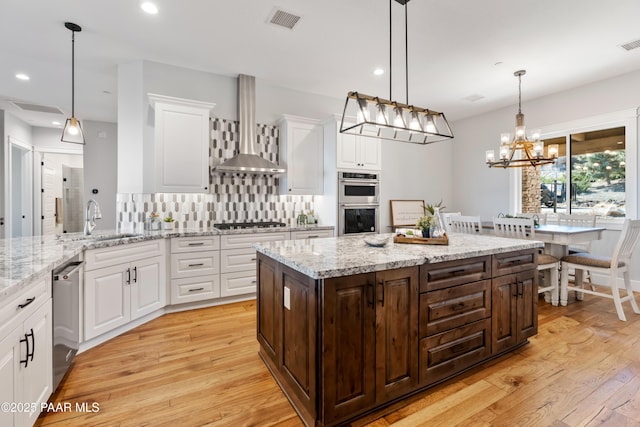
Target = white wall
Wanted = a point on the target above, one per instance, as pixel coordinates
(420, 172)
(100, 167)
(479, 190)
(137, 79)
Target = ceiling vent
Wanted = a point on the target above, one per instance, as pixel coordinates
(37, 108)
(474, 97)
(631, 45)
(283, 18)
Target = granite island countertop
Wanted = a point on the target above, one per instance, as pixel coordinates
(25, 259)
(343, 256)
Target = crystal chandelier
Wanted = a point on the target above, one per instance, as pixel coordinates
(521, 150)
(386, 119)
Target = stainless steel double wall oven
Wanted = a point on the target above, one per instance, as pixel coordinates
(358, 202)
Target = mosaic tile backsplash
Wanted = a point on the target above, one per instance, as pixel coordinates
(233, 197)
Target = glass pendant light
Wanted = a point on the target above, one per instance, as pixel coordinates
(72, 131)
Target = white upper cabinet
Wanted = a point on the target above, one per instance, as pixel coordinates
(357, 152)
(301, 152)
(181, 145)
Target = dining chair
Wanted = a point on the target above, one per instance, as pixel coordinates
(578, 220)
(446, 219)
(465, 224)
(523, 228)
(617, 263)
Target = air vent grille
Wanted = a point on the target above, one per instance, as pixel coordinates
(631, 45)
(37, 108)
(284, 19)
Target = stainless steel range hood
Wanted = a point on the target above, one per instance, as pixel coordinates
(248, 160)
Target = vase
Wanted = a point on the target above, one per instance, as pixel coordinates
(425, 233)
(167, 225)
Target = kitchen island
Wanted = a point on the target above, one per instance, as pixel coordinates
(346, 328)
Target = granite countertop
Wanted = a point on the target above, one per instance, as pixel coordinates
(343, 256)
(25, 259)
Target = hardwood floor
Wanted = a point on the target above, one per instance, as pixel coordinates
(202, 368)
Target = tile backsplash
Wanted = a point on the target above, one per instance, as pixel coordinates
(233, 197)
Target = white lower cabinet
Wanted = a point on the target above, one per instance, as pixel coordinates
(120, 293)
(238, 261)
(26, 369)
(195, 269)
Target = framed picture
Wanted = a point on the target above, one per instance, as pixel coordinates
(406, 212)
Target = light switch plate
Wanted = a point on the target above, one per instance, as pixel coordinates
(287, 298)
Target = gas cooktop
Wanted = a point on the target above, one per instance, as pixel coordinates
(243, 225)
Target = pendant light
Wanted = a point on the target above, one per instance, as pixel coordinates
(521, 150)
(393, 120)
(72, 131)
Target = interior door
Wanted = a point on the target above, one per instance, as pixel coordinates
(18, 200)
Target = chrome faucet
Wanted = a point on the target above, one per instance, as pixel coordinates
(90, 220)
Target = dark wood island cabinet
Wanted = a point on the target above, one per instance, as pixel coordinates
(346, 344)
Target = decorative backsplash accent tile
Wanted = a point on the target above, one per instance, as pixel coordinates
(233, 198)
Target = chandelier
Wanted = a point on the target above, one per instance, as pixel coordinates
(386, 119)
(72, 131)
(521, 151)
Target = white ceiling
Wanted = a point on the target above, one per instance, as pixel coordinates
(457, 48)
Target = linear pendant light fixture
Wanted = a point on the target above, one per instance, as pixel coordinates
(521, 151)
(72, 131)
(392, 120)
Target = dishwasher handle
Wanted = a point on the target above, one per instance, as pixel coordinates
(68, 270)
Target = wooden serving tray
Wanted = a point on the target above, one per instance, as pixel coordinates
(444, 240)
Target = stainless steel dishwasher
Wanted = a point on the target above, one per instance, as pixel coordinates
(66, 317)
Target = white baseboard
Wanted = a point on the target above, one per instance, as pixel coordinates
(603, 279)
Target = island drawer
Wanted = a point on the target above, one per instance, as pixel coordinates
(514, 262)
(446, 274)
(450, 352)
(453, 307)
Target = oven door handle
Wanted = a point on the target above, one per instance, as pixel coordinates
(359, 182)
(360, 205)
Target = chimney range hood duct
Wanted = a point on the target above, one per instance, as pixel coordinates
(248, 160)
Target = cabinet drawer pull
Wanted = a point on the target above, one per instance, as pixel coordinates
(196, 290)
(196, 265)
(29, 301)
(253, 259)
(196, 244)
(254, 281)
(315, 236)
(458, 306)
(128, 276)
(135, 274)
(458, 348)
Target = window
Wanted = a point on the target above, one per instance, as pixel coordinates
(589, 176)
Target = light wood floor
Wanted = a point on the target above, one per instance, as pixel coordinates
(202, 368)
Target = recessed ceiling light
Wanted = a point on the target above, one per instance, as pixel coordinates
(56, 123)
(149, 8)
(22, 76)
(378, 71)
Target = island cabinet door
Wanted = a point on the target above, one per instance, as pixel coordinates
(299, 338)
(269, 309)
(396, 332)
(514, 309)
(348, 346)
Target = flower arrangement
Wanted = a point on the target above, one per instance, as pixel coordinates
(424, 224)
(169, 218)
